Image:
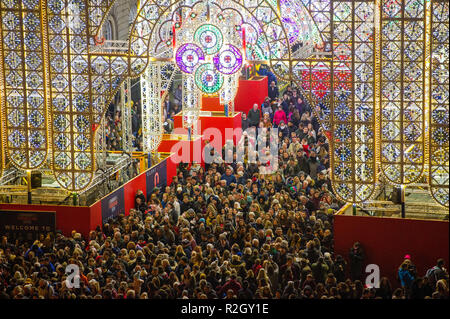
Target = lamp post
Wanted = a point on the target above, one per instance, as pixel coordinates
(402, 200)
(29, 186)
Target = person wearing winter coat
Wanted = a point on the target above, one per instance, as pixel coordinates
(254, 116)
(274, 93)
(356, 261)
(320, 270)
(406, 278)
(266, 107)
(279, 116)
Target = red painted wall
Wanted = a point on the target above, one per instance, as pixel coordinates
(68, 218)
(192, 148)
(220, 123)
(249, 93)
(96, 215)
(237, 122)
(130, 189)
(211, 104)
(387, 240)
(84, 219)
(171, 169)
(206, 122)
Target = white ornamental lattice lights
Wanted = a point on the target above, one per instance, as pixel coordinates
(152, 127)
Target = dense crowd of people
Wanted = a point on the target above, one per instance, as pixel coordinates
(225, 230)
(113, 126)
(113, 131)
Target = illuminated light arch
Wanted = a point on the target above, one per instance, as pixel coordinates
(82, 78)
(69, 81)
(341, 102)
(151, 13)
(320, 11)
(438, 117)
(298, 16)
(402, 90)
(151, 40)
(338, 87)
(24, 109)
(352, 102)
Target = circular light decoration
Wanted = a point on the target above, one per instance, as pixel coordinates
(229, 60)
(209, 37)
(188, 56)
(207, 78)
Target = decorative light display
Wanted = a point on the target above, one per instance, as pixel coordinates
(292, 29)
(80, 84)
(320, 11)
(189, 56)
(23, 92)
(126, 122)
(207, 78)
(229, 60)
(380, 89)
(402, 90)
(211, 62)
(54, 89)
(438, 140)
(228, 93)
(301, 28)
(352, 27)
(210, 38)
(190, 101)
(152, 124)
(384, 102)
(270, 40)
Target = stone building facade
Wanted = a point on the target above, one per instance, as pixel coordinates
(120, 18)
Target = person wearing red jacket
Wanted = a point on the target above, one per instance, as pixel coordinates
(279, 116)
(232, 284)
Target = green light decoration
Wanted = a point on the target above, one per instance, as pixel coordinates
(208, 79)
(210, 38)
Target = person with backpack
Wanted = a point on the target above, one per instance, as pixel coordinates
(436, 273)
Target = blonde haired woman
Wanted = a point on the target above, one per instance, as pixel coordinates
(441, 289)
(262, 279)
(198, 258)
(94, 285)
(208, 193)
(140, 255)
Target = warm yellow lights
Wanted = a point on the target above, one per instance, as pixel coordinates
(382, 92)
